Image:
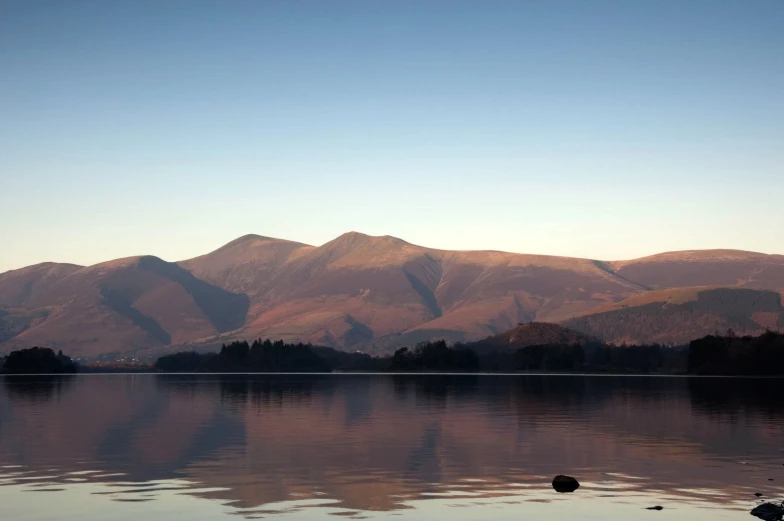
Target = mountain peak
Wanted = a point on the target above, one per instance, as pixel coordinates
(125, 262)
(357, 238)
(364, 251)
(355, 241)
(253, 238)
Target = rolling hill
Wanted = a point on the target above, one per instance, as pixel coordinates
(704, 268)
(675, 316)
(532, 334)
(361, 292)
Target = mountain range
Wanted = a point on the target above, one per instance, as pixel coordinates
(372, 294)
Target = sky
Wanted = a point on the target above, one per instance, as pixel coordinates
(601, 129)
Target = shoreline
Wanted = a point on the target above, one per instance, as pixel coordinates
(388, 373)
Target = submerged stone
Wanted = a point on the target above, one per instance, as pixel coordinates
(563, 483)
(768, 512)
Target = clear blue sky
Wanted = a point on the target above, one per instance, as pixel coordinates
(602, 129)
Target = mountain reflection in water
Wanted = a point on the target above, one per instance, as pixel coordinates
(416, 446)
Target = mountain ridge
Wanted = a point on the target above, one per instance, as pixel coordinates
(356, 291)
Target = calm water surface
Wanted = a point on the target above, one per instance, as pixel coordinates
(376, 446)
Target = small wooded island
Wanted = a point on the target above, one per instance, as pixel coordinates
(560, 352)
(37, 360)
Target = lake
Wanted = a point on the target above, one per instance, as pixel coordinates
(457, 447)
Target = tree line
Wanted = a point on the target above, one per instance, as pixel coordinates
(761, 355)
(711, 355)
(729, 355)
(261, 356)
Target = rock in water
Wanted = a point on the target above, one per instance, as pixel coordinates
(768, 512)
(563, 483)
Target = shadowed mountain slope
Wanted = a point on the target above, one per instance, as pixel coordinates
(357, 292)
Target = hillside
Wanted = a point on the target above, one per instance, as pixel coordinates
(679, 315)
(541, 333)
(361, 292)
(705, 268)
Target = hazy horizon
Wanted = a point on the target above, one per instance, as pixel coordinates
(607, 130)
